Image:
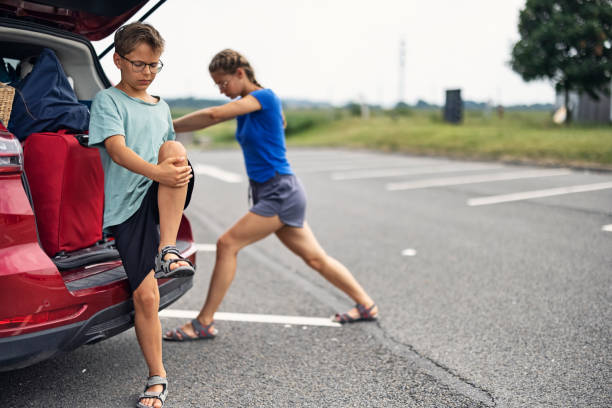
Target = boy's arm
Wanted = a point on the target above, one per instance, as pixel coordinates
(210, 116)
(173, 172)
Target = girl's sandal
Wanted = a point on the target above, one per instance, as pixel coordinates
(162, 266)
(202, 332)
(151, 381)
(365, 314)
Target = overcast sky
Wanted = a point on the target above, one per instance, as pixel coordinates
(343, 50)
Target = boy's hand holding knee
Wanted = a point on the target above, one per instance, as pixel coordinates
(173, 172)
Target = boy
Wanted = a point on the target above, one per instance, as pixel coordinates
(147, 181)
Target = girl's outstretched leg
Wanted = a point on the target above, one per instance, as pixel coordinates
(303, 243)
(248, 229)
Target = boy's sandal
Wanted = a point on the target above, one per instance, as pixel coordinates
(162, 266)
(365, 314)
(202, 332)
(151, 381)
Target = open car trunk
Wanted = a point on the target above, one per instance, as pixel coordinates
(93, 19)
(20, 45)
(21, 42)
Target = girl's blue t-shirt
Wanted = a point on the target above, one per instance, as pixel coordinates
(262, 138)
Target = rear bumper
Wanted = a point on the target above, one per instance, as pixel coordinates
(25, 350)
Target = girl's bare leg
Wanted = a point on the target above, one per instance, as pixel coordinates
(303, 243)
(248, 229)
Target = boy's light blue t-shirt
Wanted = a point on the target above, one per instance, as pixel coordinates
(146, 126)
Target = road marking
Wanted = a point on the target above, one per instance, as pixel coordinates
(526, 195)
(607, 228)
(454, 181)
(254, 318)
(409, 252)
(322, 168)
(369, 174)
(301, 279)
(206, 247)
(218, 173)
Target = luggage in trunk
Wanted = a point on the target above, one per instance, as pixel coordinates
(67, 185)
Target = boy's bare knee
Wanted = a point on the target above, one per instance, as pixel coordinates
(146, 299)
(172, 148)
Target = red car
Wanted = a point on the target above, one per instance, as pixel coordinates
(53, 304)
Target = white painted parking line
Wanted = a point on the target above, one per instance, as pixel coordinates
(313, 156)
(607, 228)
(409, 252)
(413, 171)
(527, 195)
(254, 318)
(323, 168)
(454, 181)
(347, 159)
(218, 173)
(206, 247)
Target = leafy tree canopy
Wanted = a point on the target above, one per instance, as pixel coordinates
(568, 42)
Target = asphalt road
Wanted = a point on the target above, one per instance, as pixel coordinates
(505, 304)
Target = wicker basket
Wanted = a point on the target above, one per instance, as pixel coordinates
(7, 93)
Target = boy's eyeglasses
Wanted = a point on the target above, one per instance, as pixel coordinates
(139, 66)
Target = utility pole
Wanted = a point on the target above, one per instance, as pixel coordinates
(402, 69)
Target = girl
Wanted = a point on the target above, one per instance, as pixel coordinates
(279, 200)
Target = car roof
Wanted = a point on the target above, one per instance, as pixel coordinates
(94, 19)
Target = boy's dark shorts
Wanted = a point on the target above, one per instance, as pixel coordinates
(137, 238)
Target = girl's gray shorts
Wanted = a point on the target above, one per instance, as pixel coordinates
(282, 195)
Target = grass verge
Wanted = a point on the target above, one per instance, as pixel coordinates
(516, 137)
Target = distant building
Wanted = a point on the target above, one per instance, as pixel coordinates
(586, 109)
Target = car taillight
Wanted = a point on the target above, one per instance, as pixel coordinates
(11, 154)
(41, 317)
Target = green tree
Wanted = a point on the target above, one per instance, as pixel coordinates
(567, 42)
